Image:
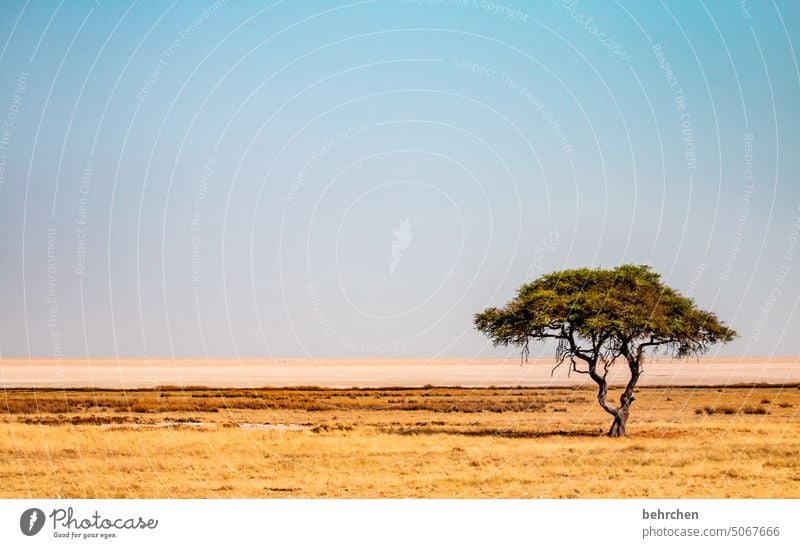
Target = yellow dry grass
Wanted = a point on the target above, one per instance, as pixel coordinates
(443, 442)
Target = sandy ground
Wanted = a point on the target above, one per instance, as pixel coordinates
(366, 373)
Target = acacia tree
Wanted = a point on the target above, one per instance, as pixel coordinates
(598, 316)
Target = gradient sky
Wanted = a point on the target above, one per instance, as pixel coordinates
(231, 178)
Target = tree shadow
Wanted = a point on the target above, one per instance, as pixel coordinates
(500, 433)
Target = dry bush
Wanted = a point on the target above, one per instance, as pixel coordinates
(728, 410)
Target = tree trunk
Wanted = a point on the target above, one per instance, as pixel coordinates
(602, 392)
(620, 413)
(620, 420)
(626, 399)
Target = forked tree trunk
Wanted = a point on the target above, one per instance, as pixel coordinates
(602, 392)
(622, 412)
(621, 416)
(620, 420)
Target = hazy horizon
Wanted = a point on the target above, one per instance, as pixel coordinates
(357, 179)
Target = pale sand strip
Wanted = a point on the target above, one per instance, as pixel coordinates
(365, 373)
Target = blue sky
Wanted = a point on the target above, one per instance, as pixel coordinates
(359, 178)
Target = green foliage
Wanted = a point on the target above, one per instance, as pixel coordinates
(599, 313)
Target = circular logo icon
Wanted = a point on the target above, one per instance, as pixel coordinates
(31, 521)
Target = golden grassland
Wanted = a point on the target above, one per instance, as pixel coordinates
(434, 442)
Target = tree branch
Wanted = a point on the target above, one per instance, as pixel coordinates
(652, 342)
(575, 349)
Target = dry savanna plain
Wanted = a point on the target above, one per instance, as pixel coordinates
(306, 442)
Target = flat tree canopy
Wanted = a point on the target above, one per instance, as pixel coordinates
(598, 316)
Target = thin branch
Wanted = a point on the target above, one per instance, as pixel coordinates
(575, 368)
(525, 352)
(576, 350)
